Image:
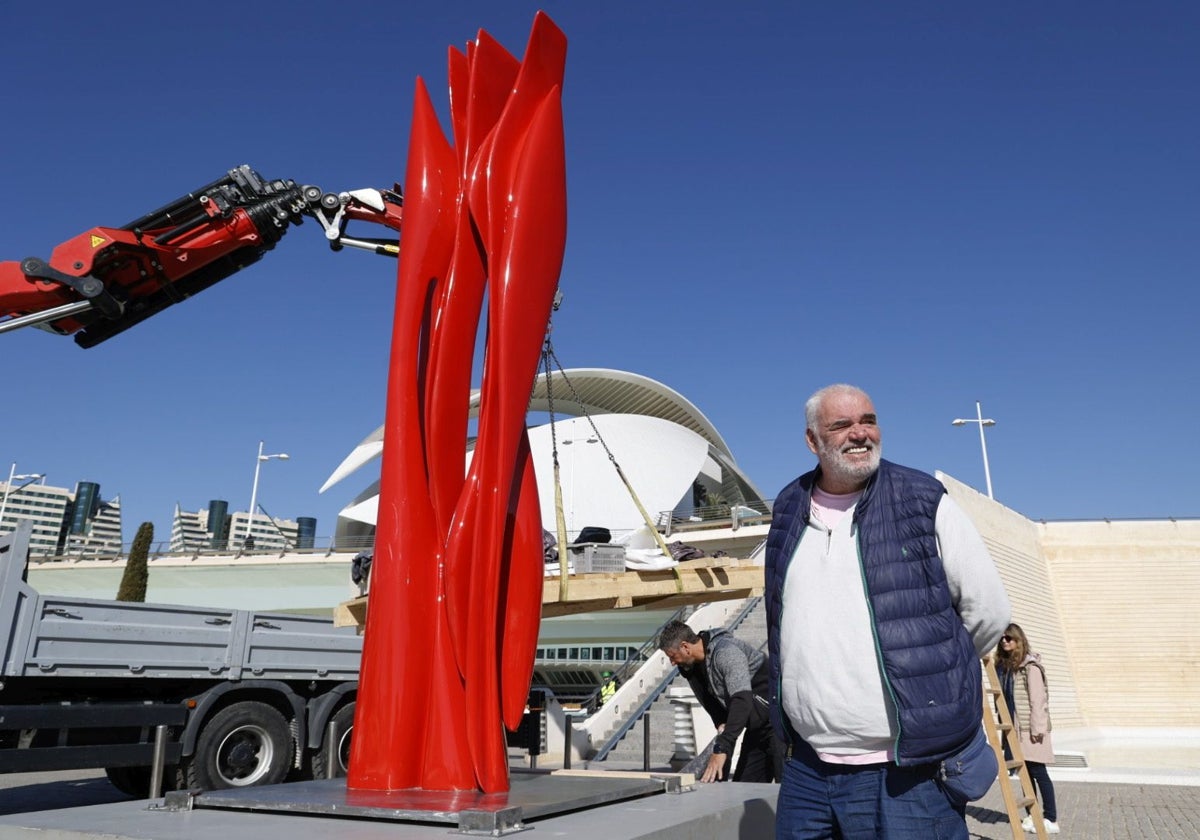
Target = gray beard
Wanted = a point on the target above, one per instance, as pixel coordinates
(835, 465)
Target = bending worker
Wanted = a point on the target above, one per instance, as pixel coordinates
(729, 678)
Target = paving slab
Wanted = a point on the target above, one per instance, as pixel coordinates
(1091, 810)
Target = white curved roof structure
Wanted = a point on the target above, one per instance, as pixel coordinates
(666, 447)
(605, 391)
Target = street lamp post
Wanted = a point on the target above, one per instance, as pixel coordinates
(987, 473)
(282, 456)
(28, 478)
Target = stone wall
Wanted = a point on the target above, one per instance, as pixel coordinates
(1014, 543)
(1129, 592)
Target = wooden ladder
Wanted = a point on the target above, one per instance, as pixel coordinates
(998, 724)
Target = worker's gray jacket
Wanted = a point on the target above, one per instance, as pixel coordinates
(731, 682)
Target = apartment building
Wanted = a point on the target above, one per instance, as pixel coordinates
(214, 528)
(64, 520)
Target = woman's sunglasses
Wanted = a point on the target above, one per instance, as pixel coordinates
(1007, 638)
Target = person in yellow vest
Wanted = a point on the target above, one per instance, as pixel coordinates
(609, 688)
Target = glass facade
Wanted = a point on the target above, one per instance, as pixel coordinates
(63, 520)
(306, 531)
(218, 511)
(87, 500)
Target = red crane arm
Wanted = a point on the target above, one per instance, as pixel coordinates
(106, 280)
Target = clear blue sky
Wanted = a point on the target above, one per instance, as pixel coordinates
(940, 202)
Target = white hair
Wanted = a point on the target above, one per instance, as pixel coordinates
(813, 407)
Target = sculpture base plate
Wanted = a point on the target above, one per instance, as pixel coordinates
(715, 812)
(531, 796)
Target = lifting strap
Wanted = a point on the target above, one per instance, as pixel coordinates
(560, 517)
(548, 354)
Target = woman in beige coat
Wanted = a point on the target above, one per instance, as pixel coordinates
(1024, 682)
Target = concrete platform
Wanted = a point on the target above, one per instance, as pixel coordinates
(1137, 787)
(708, 812)
(1091, 810)
(531, 796)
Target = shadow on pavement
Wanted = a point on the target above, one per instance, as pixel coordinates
(23, 795)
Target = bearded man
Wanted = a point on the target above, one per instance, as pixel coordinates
(881, 597)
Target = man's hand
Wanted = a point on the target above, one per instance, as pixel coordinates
(715, 770)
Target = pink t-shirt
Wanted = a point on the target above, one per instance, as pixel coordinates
(830, 507)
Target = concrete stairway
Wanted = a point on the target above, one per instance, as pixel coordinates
(753, 629)
(628, 753)
(664, 752)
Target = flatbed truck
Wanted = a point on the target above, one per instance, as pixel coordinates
(219, 698)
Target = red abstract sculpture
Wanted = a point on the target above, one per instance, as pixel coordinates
(456, 582)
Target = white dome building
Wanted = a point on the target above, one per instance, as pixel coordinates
(673, 457)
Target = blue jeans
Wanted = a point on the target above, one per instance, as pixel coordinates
(820, 801)
(1044, 788)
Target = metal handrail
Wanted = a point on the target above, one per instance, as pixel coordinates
(162, 549)
(634, 663)
(623, 729)
(730, 515)
(736, 622)
(706, 517)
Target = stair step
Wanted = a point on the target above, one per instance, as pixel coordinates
(753, 631)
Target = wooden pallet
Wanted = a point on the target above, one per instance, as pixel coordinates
(692, 582)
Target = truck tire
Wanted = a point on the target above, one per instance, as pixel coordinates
(133, 781)
(244, 744)
(343, 722)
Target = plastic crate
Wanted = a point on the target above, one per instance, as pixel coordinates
(597, 557)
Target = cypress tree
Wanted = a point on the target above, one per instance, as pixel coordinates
(137, 569)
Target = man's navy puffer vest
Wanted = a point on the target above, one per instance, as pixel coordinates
(930, 662)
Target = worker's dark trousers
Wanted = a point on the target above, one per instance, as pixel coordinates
(761, 759)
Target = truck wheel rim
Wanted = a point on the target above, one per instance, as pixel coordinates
(344, 750)
(245, 755)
